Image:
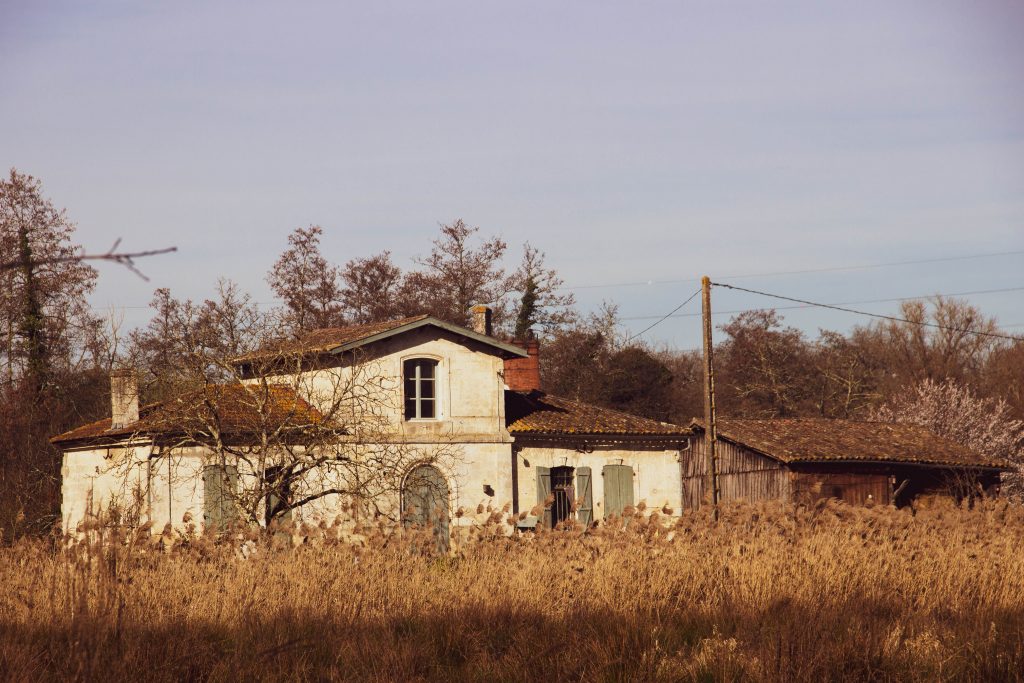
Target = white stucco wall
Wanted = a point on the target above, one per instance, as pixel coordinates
(95, 480)
(656, 478)
(176, 489)
(160, 490)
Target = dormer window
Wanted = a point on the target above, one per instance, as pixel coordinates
(420, 376)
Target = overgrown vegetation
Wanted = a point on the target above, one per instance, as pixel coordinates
(773, 592)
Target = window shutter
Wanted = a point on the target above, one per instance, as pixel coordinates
(228, 494)
(618, 488)
(219, 485)
(543, 491)
(211, 497)
(585, 494)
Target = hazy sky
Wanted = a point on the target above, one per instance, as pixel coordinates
(632, 142)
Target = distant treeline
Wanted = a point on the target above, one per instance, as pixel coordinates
(56, 353)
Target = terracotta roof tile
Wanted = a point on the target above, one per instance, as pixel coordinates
(327, 338)
(539, 413)
(234, 405)
(806, 440)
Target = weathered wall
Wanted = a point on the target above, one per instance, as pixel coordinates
(468, 437)
(856, 488)
(470, 386)
(742, 475)
(176, 489)
(162, 490)
(94, 481)
(655, 472)
(467, 468)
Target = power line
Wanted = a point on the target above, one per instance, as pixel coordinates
(872, 315)
(663, 318)
(841, 303)
(724, 277)
(805, 271)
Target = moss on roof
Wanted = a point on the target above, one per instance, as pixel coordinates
(236, 409)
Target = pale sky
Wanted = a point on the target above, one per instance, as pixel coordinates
(632, 142)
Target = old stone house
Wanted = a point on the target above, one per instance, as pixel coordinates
(442, 388)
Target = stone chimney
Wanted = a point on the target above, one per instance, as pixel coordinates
(124, 398)
(481, 319)
(523, 374)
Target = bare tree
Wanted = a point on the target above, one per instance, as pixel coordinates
(765, 368)
(43, 296)
(542, 302)
(275, 427)
(50, 345)
(1003, 372)
(374, 290)
(914, 351)
(456, 275)
(307, 283)
(847, 376)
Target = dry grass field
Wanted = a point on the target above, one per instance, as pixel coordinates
(775, 593)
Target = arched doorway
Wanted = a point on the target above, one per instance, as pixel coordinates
(425, 502)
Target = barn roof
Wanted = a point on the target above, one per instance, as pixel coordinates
(340, 339)
(538, 414)
(235, 407)
(822, 440)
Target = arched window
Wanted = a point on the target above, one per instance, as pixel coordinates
(425, 502)
(420, 381)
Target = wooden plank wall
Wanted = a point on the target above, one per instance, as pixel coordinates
(853, 488)
(742, 474)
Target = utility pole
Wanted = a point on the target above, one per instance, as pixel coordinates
(710, 432)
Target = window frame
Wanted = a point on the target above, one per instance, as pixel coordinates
(418, 362)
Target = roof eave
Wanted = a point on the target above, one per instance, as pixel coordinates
(617, 436)
(902, 463)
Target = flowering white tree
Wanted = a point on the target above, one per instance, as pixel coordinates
(953, 411)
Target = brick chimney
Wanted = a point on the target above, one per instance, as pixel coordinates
(124, 398)
(523, 374)
(481, 319)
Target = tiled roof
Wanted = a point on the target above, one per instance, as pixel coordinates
(236, 407)
(330, 339)
(537, 413)
(327, 338)
(821, 440)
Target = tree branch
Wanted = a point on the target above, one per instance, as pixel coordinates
(126, 259)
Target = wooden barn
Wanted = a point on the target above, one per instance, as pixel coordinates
(811, 458)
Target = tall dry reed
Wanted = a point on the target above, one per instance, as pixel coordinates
(770, 592)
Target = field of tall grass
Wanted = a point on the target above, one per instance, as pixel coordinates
(774, 592)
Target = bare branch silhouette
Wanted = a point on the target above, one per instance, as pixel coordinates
(126, 259)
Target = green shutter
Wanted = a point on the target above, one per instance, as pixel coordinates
(543, 491)
(219, 487)
(585, 494)
(211, 497)
(618, 488)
